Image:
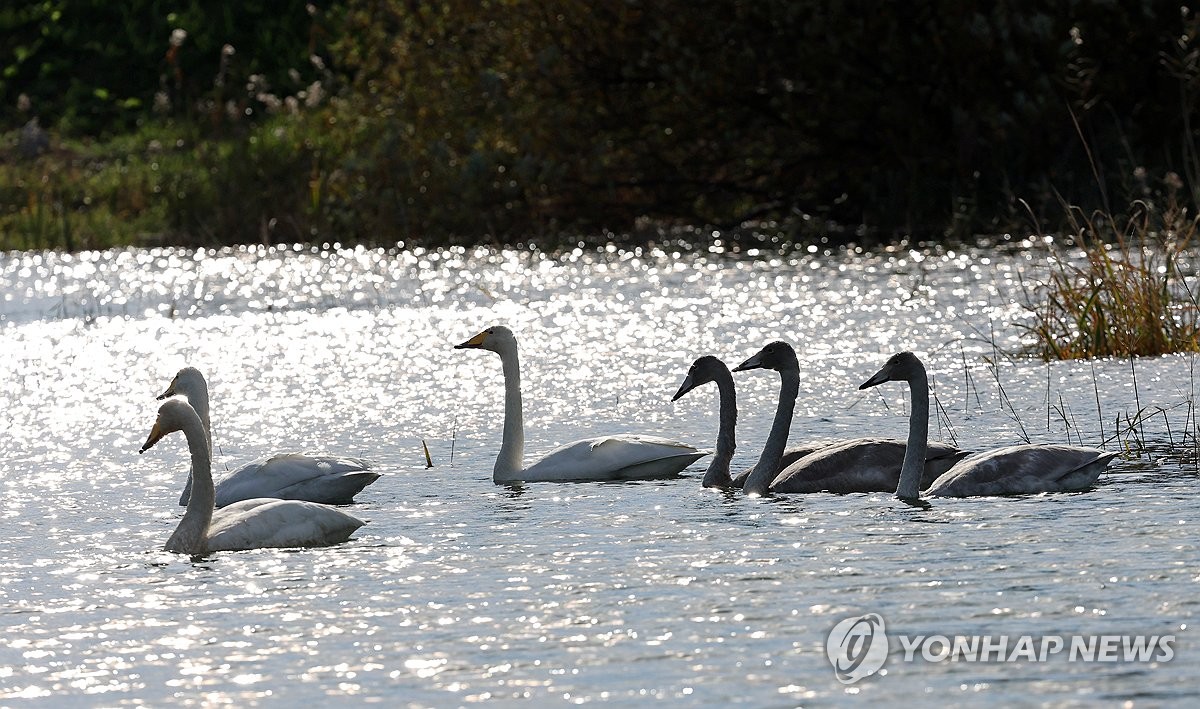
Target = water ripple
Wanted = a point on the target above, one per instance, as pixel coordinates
(459, 591)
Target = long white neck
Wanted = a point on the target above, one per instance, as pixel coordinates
(199, 401)
(510, 461)
(759, 482)
(718, 471)
(909, 487)
(191, 536)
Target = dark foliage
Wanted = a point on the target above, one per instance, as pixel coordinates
(520, 119)
(94, 67)
(924, 118)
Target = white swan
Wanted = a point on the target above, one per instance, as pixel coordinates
(1013, 470)
(249, 524)
(711, 369)
(620, 457)
(856, 465)
(332, 480)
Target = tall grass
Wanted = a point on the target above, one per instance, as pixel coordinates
(1127, 290)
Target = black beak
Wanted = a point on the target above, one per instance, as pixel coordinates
(754, 362)
(879, 378)
(688, 384)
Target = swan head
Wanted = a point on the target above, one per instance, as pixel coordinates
(187, 382)
(704, 370)
(902, 366)
(778, 355)
(496, 338)
(173, 416)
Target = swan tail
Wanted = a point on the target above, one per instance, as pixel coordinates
(664, 467)
(339, 490)
(1086, 475)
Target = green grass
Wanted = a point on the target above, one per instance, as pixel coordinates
(1125, 293)
(82, 196)
(164, 184)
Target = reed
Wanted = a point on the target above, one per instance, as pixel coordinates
(1006, 404)
(1125, 292)
(1190, 423)
(943, 416)
(1096, 391)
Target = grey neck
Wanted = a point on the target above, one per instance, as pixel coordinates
(759, 482)
(909, 487)
(718, 471)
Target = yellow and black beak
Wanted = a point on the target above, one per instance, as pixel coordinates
(473, 343)
(155, 436)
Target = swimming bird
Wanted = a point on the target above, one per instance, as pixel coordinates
(248, 524)
(855, 465)
(790, 455)
(333, 480)
(780, 357)
(711, 369)
(862, 465)
(1012, 470)
(618, 457)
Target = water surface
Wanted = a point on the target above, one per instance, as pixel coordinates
(459, 590)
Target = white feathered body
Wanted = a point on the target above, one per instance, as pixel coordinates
(292, 476)
(333, 480)
(249, 524)
(619, 457)
(273, 523)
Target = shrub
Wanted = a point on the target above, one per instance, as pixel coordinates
(1129, 291)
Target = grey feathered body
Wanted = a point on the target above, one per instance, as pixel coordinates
(862, 465)
(1023, 470)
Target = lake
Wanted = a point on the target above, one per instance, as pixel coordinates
(460, 591)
